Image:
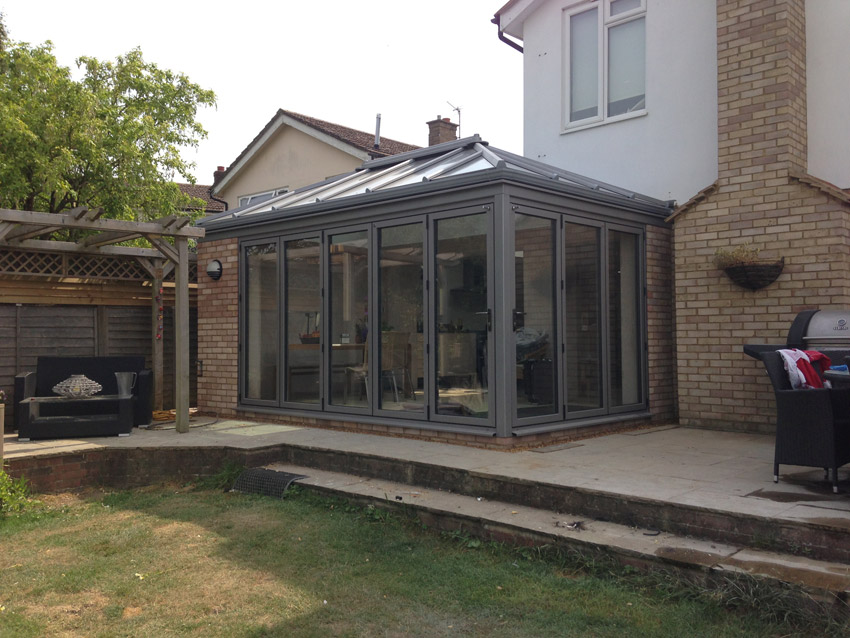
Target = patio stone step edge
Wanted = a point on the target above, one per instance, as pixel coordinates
(821, 586)
(817, 540)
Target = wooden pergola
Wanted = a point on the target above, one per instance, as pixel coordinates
(27, 230)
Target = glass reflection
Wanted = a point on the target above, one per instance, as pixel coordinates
(303, 320)
(401, 312)
(462, 316)
(261, 322)
(534, 316)
(624, 318)
(582, 302)
(349, 314)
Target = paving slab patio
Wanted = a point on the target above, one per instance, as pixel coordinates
(719, 470)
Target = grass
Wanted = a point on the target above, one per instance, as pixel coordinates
(193, 561)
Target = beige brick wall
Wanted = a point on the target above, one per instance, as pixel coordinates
(660, 324)
(761, 87)
(218, 329)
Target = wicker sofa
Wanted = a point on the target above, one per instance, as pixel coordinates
(52, 370)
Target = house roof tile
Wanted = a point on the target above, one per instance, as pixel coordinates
(202, 192)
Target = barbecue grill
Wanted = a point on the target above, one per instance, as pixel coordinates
(823, 330)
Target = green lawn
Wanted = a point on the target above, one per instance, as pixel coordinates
(187, 561)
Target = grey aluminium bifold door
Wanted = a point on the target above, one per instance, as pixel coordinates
(534, 318)
(347, 338)
(302, 293)
(401, 380)
(260, 322)
(463, 318)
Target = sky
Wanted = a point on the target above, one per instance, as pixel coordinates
(337, 60)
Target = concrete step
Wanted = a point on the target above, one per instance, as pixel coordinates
(824, 539)
(823, 586)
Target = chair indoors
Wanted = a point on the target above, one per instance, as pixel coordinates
(812, 425)
(395, 362)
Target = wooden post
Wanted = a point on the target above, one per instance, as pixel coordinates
(181, 335)
(157, 336)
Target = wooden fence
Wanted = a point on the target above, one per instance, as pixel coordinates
(55, 307)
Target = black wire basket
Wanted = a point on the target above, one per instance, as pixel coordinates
(755, 275)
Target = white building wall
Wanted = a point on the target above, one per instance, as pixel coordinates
(669, 153)
(828, 89)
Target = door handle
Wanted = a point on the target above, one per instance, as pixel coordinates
(489, 314)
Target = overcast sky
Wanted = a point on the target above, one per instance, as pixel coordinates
(338, 60)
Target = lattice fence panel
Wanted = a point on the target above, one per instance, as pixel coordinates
(16, 262)
(93, 266)
(23, 262)
(193, 273)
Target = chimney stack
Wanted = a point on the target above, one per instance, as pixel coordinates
(441, 130)
(761, 85)
(218, 174)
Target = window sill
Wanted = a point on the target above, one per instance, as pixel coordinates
(579, 126)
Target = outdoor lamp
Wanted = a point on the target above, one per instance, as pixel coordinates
(214, 270)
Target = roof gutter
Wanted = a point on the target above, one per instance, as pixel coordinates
(497, 20)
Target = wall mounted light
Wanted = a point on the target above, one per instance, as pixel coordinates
(214, 270)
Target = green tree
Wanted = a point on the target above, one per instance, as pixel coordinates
(111, 139)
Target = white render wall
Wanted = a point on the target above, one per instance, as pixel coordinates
(669, 153)
(828, 89)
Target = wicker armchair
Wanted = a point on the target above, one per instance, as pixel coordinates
(812, 426)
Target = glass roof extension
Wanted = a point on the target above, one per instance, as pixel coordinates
(442, 161)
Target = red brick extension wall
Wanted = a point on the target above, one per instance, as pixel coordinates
(763, 197)
(218, 328)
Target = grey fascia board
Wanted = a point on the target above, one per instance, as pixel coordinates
(424, 189)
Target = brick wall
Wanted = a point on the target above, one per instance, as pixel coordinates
(218, 329)
(660, 324)
(761, 197)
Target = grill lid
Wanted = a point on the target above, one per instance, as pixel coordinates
(828, 328)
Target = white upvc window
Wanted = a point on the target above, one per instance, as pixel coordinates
(257, 198)
(604, 61)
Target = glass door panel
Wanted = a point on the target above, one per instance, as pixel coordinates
(534, 316)
(462, 316)
(624, 319)
(262, 325)
(402, 347)
(349, 319)
(303, 320)
(582, 310)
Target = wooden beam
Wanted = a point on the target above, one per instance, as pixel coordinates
(148, 265)
(27, 231)
(45, 245)
(67, 220)
(104, 239)
(5, 228)
(164, 247)
(181, 336)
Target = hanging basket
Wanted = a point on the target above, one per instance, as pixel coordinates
(755, 275)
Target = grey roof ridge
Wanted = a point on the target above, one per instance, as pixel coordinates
(423, 152)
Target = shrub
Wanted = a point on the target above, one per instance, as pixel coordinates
(14, 494)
